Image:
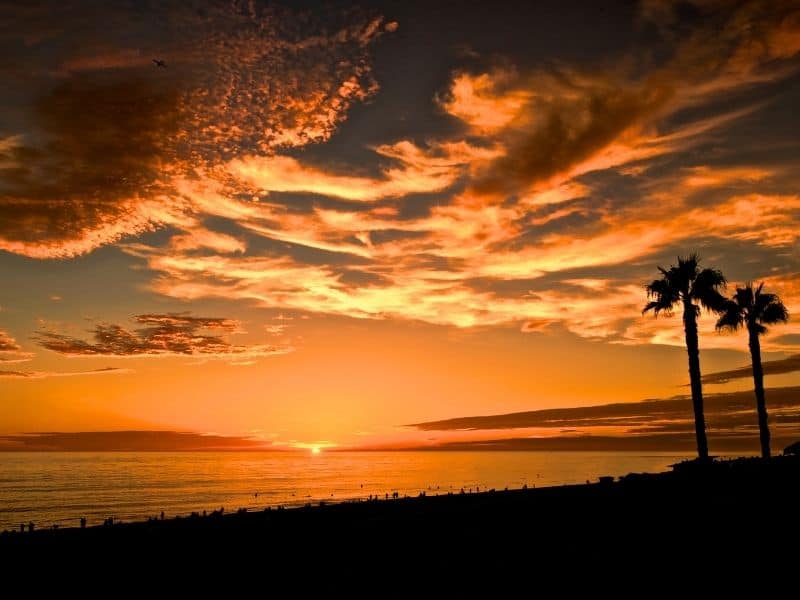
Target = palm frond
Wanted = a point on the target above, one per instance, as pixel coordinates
(663, 294)
(657, 308)
(767, 309)
(732, 317)
(706, 289)
(774, 312)
(763, 300)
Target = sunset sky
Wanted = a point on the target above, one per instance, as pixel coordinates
(320, 223)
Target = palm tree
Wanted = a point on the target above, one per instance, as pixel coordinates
(688, 286)
(753, 308)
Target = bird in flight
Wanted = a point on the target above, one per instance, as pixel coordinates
(159, 63)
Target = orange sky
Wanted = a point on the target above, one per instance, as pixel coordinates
(315, 228)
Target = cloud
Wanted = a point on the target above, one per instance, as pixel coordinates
(486, 102)
(30, 375)
(201, 238)
(544, 196)
(782, 366)
(10, 350)
(126, 441)
(420, 170)
(658, 424)
(427, 274)
(104, 142)
(99, 173)
(172, 334)
(563, 121)
(675, 442)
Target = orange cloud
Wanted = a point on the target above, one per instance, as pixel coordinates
(487, 102)
(200, 237)
(10, 350)
(419, 171)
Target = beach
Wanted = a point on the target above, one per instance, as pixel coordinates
(709, 514)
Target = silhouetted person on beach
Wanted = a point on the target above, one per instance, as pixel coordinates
(31, 527)
(162, 515)
(83, 522)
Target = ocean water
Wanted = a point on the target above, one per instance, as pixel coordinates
(61, 487)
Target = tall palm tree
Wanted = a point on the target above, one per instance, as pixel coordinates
(754, 309)
(689, 287)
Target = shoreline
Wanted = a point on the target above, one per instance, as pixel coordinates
(720, 473)
(734, 518)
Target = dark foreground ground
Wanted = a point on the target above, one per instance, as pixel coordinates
(713, 527)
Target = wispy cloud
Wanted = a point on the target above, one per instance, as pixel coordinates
(417, 170)
(118, 441)
(782, 366)
(32, 375)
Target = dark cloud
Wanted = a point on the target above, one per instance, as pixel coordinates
(791, 339)
(93, 135)
(106, 139)
(125, 441)
(638, 416)
(162, 335)
(567, 132)
(649, 425)
(684, 442)
(565, 117)
(771, 367)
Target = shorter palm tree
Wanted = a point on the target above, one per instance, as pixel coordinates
(755, 309)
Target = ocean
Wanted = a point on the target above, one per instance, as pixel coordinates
(61, 487)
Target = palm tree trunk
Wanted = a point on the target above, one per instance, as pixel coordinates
(758, 384)
(693, 349)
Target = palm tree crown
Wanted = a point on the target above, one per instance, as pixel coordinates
(686, 282)
(753, 308)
